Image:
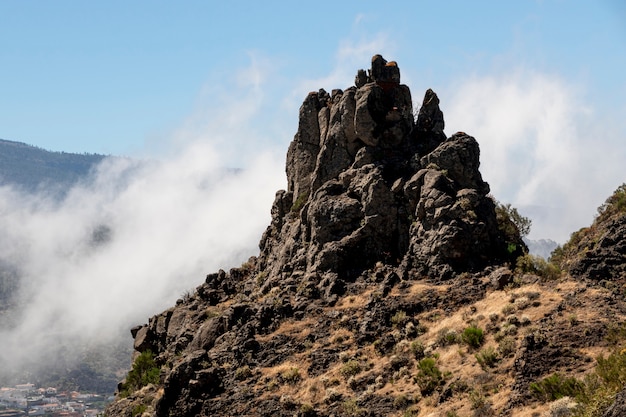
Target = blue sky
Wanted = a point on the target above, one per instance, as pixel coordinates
(148, 77)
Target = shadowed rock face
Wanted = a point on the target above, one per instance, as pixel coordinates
(367, 183)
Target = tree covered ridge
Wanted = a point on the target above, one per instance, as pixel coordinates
(30, 168)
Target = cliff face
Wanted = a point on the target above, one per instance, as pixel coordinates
(383, 250)
(368, 184)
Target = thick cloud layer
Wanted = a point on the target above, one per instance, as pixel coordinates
(544, 147)
(126, 244)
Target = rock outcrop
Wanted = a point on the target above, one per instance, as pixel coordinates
(376, 200)
(598, 252)
(367, 183)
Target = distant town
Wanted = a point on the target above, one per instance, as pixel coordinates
(29, 400)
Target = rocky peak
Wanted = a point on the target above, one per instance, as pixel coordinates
(368, 183)
(372, 277)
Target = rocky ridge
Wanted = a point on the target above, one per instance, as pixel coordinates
(384, 249)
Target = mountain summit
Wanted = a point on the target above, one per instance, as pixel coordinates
(385, 285)
(368, 183)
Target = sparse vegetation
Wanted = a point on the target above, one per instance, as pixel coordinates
(144, 371)
(417, 349)
(556, 386)
(446, 337)
(243, 372)
(615, 204)
(429, 377)
(473, 336)
(291, 375)
(487, 357)
(350, 368)
(299, 203)
(531, 264)
(511, 222)
(138, 410)
(399, 318)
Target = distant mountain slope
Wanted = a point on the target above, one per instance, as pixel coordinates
(541, 247)
(30, 168)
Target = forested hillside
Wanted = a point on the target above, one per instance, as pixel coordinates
(31, 168)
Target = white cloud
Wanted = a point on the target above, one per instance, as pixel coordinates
(543, 148)
(169, 222)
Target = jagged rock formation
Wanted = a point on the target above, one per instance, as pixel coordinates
(384, 243)
(369, 184)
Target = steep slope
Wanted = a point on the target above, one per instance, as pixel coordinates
(599, 251)
(384, 285)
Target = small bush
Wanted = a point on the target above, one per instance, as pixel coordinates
(299, 203)
(399, 318)
(478, 400)
(351, 408)
(417, 349)
(556, 386)
(138, 410)
(291, 376)
(530, 264)
(506, 346)
(616, 203)
(563, 407)
(511, 222)
(447, 337)
(243, 372)
(350, 368)
(429, 377)
(307, 410)
(402, 401)
(144, 371)
(473, 336)
(487, 357)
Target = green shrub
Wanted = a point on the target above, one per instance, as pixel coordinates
(429, 377)
(243, 372)
(350, 368)
(291, 375)
(417, 349)
(616, 203)
(473, 336)
(556, 386)
(530, 264)
(144, 371)
(299, 203)
(612, 370)
(511, 222)
(399, 318)
(447, 337)
(487, 357)
(478, 400)
(138, 410)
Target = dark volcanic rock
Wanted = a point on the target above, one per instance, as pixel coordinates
(618, 408)
(605, 256)
(381, 188)
(374, 197)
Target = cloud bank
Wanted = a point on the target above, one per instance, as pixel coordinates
(128, 242)
(544, 147)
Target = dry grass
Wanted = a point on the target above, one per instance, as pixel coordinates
(456, 361)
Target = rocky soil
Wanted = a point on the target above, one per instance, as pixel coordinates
(384, 286)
